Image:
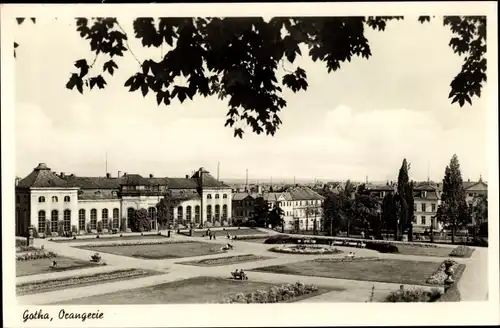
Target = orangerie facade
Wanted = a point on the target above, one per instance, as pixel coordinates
(81, 202)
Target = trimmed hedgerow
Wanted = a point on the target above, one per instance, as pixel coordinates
(35, 256)
(414, 295)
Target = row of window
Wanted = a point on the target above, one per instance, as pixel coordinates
(300, 203)
(209, 196)
(424, 207)
(55, 199)
(54, 218)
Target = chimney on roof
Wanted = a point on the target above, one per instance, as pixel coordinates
(468, 180)
(119, 174)
(125, 174)
(17, 180)
(151, 175)
(61, 174)
(187, 176)
(108, 175)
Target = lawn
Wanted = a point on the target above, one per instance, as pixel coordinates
(81, 281)
(107, 238)
(235, 232)
(40, 266)
(391, 271)
(425, 251)
(189, 291)
(159, 251)
(257, 240)
(221, 261)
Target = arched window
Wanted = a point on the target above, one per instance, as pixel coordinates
(130, 216)
(224, 212)
(217, 212)
(93, 219)
(54, 199)
(188, 213)
(67, 199)
(81, 219)
(41, 199)
(67, 220)
(224, 196)
(197, 214)
(179, 214)
(41, 221)
(209, 196)
(116, 218)
(53, 220)
(209, 213)
(216, 196)
(104, 215)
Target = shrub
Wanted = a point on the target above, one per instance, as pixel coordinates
(382, 247)
(208, 224)
(306, 250)
(273, 295)
(74, 229)
(479, 241)
(439, 276)
(414, 295)
(99, 226)
(48, 231)
(89, 230)
(462, 251)
(122, 224)
(35, 233)
(21, 242)
(217, 223)
(451, 295)
(35, 256)
(278, 239)
(60, 228)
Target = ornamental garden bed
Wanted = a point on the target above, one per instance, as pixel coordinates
(158, 251)
(383, 270)
(232, 232)
(221, 261)
(133, 242)
(305, 249)
(439, 275)
(196, 290)
(110, 238)
(81, 281)
(43, 265)
(414, 295)
(285, 293)
(462, 251)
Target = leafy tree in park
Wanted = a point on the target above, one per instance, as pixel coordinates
(405, 192)
(237, 58)
(164, 211)
(366, 212)
(479, 211)
(260, 213)
(338, 210)
(141, 221)
(275, 218)
(453, 211)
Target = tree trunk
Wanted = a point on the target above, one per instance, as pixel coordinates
(453, 233)
(348, 228)
(432, 231)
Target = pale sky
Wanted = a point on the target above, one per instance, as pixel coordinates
(359, 121)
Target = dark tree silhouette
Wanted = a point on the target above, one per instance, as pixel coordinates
(237, 58)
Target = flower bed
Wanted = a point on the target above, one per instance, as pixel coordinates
(347, 259)
(248, 237)
(40, 286)
(35, 256)
(219, 261)
(289, 239)
(137, 242)
(439, 276)
(22, 249)
(414, 295)
(275, 294)
(21, 242)
(306, 250)
(462, 251)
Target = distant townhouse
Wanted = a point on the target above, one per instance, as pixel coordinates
(243, 206)
(475, 188)
(426, 199)
(81, 202)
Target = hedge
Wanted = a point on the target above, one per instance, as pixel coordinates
(275, 294)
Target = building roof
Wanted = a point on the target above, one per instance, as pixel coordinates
(426, 187)
(208, 180)
(94, 182)
(42, 177)
(472, 185)
(304, 193)
(373, 187)
(241, 195)
(181, 183)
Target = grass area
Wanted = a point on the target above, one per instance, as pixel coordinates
(233, 232)
(40, 266)
(424, 251)
(188, 291)
(107, 238)
(159, 251)
(81, 281)
(391, 271)
(256, 241)
(221, 261)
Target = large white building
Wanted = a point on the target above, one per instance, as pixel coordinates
(79, 203)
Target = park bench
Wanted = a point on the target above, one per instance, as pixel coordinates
(238, 276)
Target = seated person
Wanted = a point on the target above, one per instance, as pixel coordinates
(229, 246)
(242, 274)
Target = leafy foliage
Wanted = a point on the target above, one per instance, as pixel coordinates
(141, 221)
(237, 58)
(165, 215)
(260, 213)
(275, 217)
(453, 211)
(405, 192)
(337, 212)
